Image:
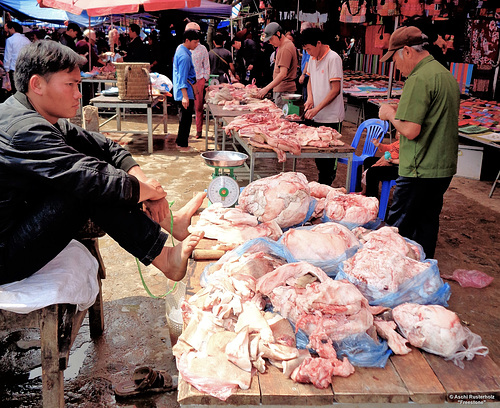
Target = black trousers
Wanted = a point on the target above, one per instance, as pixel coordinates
(185, 120)
(376, 174)
(415, 209)
(48, 225)
(327, 168)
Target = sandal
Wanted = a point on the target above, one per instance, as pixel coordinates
(145, 380)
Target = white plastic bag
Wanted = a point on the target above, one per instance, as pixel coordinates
(160, 82)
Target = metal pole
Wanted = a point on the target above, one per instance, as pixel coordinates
(298, 10)
(391, 65)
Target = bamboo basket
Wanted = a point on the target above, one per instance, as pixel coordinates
(133, 80)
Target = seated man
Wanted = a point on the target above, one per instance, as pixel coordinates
(55, 176)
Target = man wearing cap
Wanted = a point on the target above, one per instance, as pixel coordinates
(427, 118)
(325, 104)
(69, 36)
(285, 65)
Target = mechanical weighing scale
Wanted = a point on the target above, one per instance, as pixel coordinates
(293, 104)
(224, 188)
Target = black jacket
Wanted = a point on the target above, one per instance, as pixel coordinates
(37, 158)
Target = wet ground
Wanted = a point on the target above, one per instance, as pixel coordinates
(136, 332)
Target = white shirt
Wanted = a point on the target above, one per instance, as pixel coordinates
(321, 72)
(201, 62)
(13, 45)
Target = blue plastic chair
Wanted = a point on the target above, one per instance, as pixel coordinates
(375, 129)
(384, 197)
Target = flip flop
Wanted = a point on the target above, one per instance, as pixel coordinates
(145, 380)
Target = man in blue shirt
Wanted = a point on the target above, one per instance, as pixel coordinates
(184, 77)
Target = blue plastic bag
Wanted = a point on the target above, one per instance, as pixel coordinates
(362, 351)
(426, 288)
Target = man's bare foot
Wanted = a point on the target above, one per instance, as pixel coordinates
(182, 217)
(172, 261)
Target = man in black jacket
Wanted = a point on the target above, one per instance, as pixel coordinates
(137, 51)
(55, 176)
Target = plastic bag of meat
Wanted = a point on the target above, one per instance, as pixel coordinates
(470, 279)
(437, 330)
(363, 351)
(387, 278)
(284, 198)
(324, 245)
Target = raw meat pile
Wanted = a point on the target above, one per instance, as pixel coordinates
(388, 238)
(232, 226)
(334, 204)
(281, 135)
(378, 273)
(284, 198)
(223, 94)
(438, 330)
(324, 241)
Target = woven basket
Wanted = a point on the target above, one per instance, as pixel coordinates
(133, 80)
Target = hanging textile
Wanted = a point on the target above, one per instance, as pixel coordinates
(386, 7)
(353, 11)
(411, 8)
(372, 32)
(484, 42)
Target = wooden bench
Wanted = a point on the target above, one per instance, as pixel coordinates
(59, 324)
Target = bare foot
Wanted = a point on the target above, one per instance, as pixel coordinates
(182, 217)
(172, 261)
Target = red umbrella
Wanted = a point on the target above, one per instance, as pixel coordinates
(105, 7)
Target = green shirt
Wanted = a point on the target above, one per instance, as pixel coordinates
(431, 98)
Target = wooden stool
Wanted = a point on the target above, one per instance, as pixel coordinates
(59, 324)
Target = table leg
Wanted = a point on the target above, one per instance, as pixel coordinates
(118, 119)
(207, 122)
(216, 130)
(165, 116)
(252, 165)
(150, 129)
(348, 177)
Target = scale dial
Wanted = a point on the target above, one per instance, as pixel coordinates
(224, 190)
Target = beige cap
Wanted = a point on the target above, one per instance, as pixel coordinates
(403, 36)
(192, 26)
(90, 34)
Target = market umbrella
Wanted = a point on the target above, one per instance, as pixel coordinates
(106, 7)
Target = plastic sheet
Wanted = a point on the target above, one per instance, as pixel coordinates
(470, 278)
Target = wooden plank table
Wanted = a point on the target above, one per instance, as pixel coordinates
(411, 380)
(218, 113)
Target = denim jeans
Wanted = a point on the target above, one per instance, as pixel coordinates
(48, 225)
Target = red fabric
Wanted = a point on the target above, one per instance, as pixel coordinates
(198, 104)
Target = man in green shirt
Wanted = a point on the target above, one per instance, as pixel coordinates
(427, 118)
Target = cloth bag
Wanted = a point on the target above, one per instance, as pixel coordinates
(386, 8)
(382, 39)
(353, 11)
(411, 8)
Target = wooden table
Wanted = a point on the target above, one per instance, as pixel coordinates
(306, 153)
(416, 378)
(148, 104)
(218, 113)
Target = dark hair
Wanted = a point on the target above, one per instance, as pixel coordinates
(18, 28)
(74, 27)
(219, 39)
(44, 58)
(311, 36)
(190, 35)
(135, 28)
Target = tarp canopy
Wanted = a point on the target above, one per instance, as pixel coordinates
(210, 9)
(30, 10)
(107, 7)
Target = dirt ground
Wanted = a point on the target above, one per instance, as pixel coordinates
(136, 332)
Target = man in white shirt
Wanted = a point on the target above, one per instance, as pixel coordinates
(13, 45)
(325, 104)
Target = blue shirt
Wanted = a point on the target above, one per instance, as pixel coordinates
(183, 71)
(305, 59)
